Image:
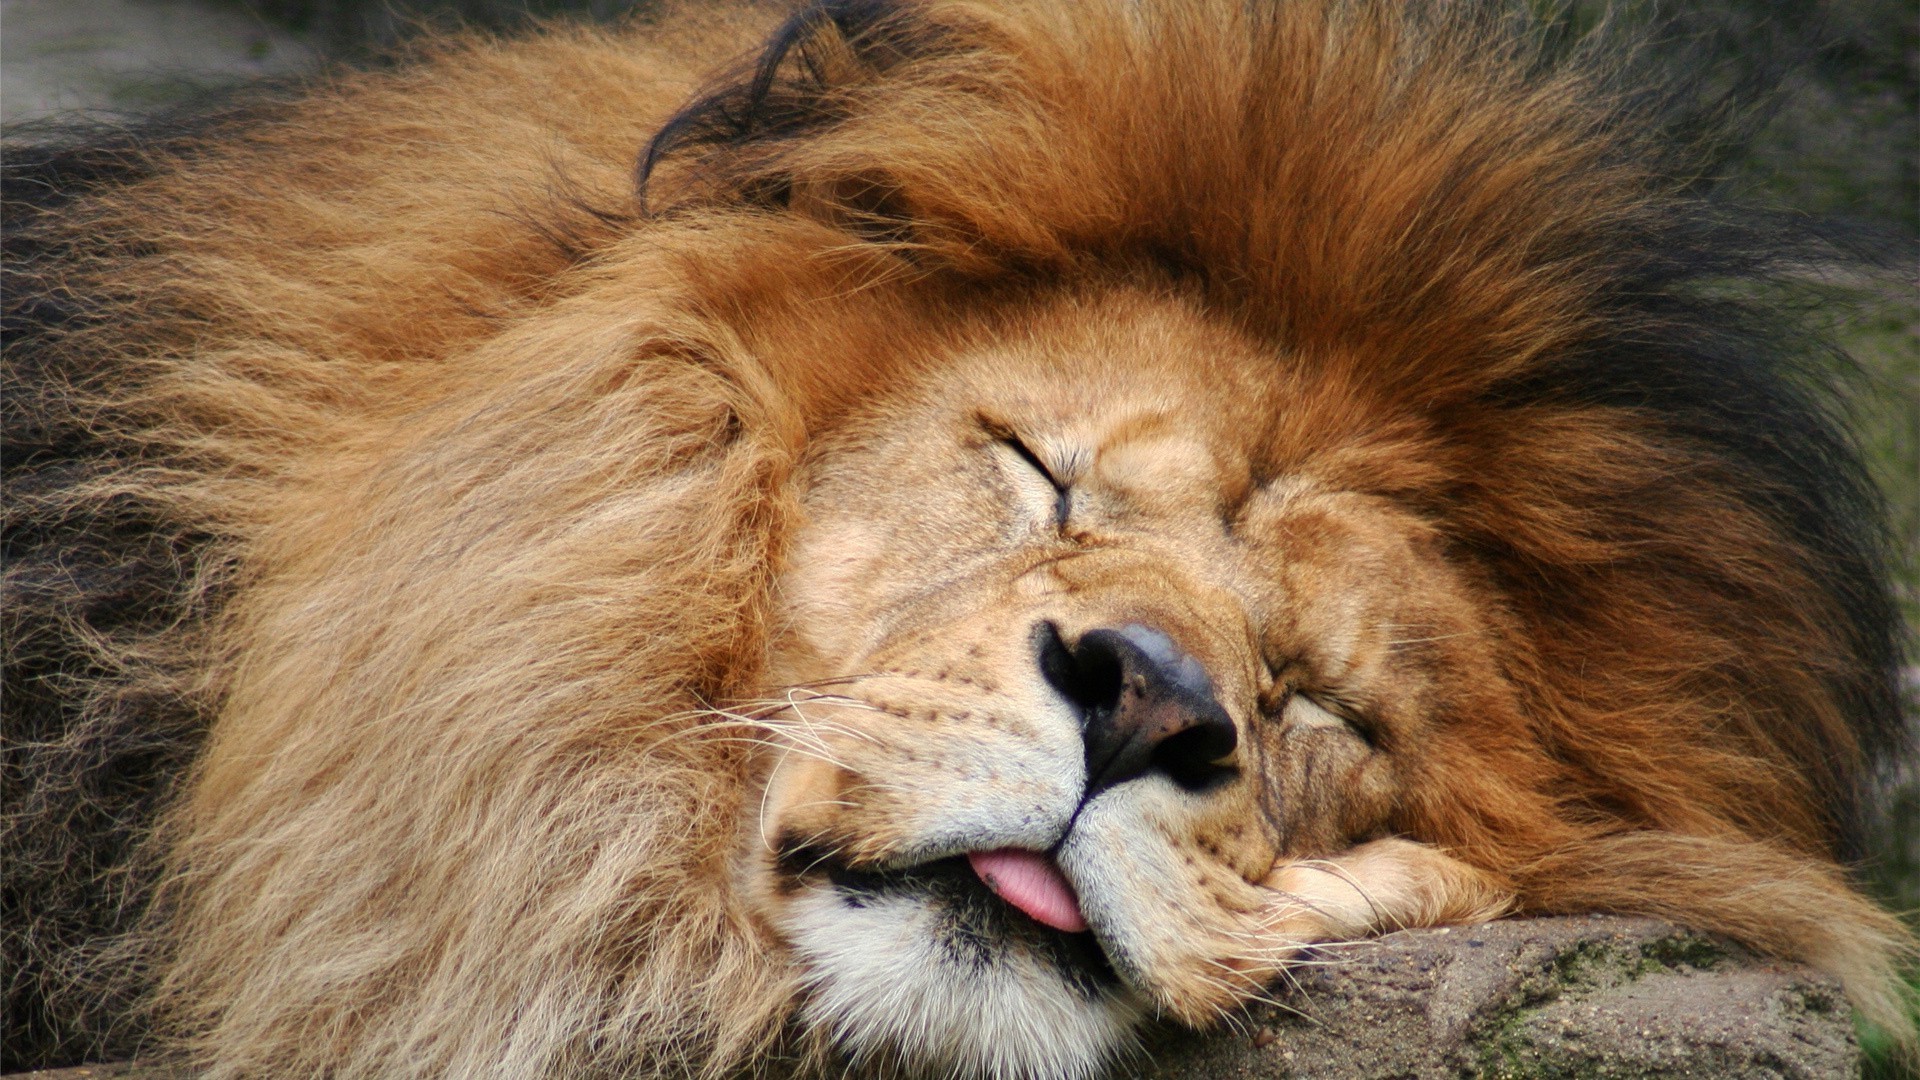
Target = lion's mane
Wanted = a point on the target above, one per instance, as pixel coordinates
(393, 424)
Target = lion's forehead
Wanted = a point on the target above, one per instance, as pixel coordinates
(1168, 476)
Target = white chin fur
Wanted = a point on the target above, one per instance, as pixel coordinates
(888, 987)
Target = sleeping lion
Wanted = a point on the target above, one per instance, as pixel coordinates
(1009, 522)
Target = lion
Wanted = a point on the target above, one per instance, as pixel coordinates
(1011, 522)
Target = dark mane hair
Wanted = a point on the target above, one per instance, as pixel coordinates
(93, 748)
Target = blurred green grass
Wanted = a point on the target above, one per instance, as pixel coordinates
(1880, 329)
(1883, 335)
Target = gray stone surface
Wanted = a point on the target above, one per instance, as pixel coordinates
(118, 1071)
(64, 56)
(1584, 998)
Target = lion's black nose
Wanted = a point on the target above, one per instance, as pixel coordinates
(1144, 704)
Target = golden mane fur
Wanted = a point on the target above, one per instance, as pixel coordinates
(491, 469)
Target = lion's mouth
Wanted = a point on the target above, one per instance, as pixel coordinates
(989, 901)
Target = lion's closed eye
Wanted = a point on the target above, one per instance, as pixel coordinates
(1032, 465)
(1304, 713)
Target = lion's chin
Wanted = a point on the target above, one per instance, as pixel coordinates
(928, 969)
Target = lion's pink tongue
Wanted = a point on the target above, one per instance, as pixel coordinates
(1031, 882)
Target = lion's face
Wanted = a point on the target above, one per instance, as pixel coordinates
(1055, 630)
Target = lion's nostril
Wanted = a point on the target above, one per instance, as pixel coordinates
(1145, 705)
(1091, 680)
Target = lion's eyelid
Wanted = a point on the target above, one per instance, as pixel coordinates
(1063, 490)
(1305, 710)
(1033, 460)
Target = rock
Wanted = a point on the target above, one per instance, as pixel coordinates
(1579, 998)
(125, 56)
(118, 1071)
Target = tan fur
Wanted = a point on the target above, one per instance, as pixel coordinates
(574, 579)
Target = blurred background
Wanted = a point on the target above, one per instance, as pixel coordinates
(1841, 142)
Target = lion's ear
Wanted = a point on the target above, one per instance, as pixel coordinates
(734, 143)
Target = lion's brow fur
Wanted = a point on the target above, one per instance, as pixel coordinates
(402, 403)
